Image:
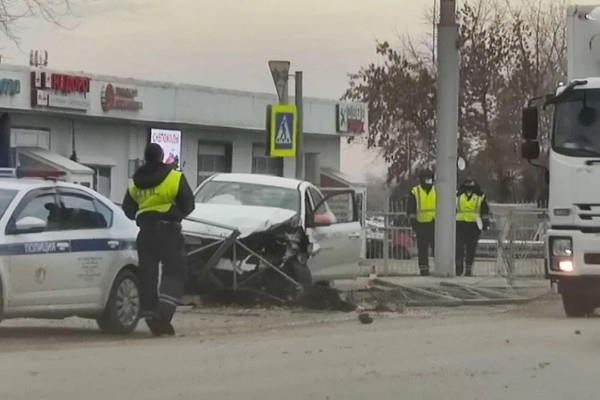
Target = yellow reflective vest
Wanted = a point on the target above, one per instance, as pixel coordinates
(425, 204)
(159, 198)
(468, 209)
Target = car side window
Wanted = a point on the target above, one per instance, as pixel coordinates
(316, 196)
(78, 211)
(308, 206)
(105, 211)
(42, 206)
(323, 207)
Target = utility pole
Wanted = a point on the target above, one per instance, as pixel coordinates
(447, 131)
(300, 138)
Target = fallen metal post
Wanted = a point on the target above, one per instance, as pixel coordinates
(218, 254)
(278, 270)
(211, 223)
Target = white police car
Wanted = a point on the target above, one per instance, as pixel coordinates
(65, 250)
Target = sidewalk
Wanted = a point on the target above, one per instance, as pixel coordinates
(432, 281)
(417, 291)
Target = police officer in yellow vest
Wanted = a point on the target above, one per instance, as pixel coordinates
(421, 213)
(158, 199)
(472, 216)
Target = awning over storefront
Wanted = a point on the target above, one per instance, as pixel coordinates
(38, 158)
(332, 178)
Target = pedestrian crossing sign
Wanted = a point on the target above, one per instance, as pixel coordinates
(282, 130)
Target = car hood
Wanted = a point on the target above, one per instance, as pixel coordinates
(246, 219)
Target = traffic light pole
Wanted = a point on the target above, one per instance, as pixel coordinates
(447, 141)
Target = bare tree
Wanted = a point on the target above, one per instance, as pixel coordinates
(14, 11)
(508, 54)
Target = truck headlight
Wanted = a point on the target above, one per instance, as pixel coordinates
(562, 247)
(561, 254)
(565, 265)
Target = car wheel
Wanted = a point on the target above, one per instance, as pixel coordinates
(576, 305)
(123, 308)
(301, 273)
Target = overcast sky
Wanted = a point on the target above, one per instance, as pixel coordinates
(226, 43)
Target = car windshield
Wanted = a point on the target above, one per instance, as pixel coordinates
(6, 196)
(248, 194)
(577, 124)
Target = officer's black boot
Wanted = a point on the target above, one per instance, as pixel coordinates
(159, 325)
(424, 270)
(459, 268)
(469, 271)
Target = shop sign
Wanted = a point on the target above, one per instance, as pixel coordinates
(170, 142)
(351, 118)
(60, 91)
(120, 98)
(10, 86)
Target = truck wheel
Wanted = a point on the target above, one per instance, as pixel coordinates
(122, 311)
(576, 305)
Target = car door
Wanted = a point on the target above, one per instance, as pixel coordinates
(340, 241)
(93, 249)
(36, 256)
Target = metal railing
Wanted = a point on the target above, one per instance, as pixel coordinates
(512, 247)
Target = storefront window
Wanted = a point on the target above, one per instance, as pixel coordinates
(261, 164)
(213, 158)
(101, 180)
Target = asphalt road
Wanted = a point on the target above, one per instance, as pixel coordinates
(530, 352)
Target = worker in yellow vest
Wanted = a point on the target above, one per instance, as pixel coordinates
(472, 216)
(158, 199)
(421, 213)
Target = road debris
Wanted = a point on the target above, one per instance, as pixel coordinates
(365, 318)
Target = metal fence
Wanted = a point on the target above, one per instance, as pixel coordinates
(512, 247)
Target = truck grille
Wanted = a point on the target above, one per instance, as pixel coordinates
(588, 212)
(591, 258)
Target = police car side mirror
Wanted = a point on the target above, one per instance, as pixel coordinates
(30, 225)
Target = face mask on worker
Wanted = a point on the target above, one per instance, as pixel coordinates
(469, 189)
(427, 183)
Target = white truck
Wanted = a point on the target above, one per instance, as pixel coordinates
(572, 243)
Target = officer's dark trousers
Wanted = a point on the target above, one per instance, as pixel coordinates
(425, 241)
(467, 237)
(161, 243)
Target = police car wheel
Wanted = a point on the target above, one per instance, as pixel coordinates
(122, 311)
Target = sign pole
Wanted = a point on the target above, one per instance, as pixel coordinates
(300, 136)
(447, 128)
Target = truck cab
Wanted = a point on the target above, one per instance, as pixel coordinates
(572, 244)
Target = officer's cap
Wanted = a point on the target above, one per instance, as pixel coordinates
(153, 153)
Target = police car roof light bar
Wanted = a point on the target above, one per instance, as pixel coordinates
(30, 173)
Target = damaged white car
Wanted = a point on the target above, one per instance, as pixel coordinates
(271, 234)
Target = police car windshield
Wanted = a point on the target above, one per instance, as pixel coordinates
(248, 194)
(6, 196)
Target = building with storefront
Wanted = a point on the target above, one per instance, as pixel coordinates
(104, 123)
